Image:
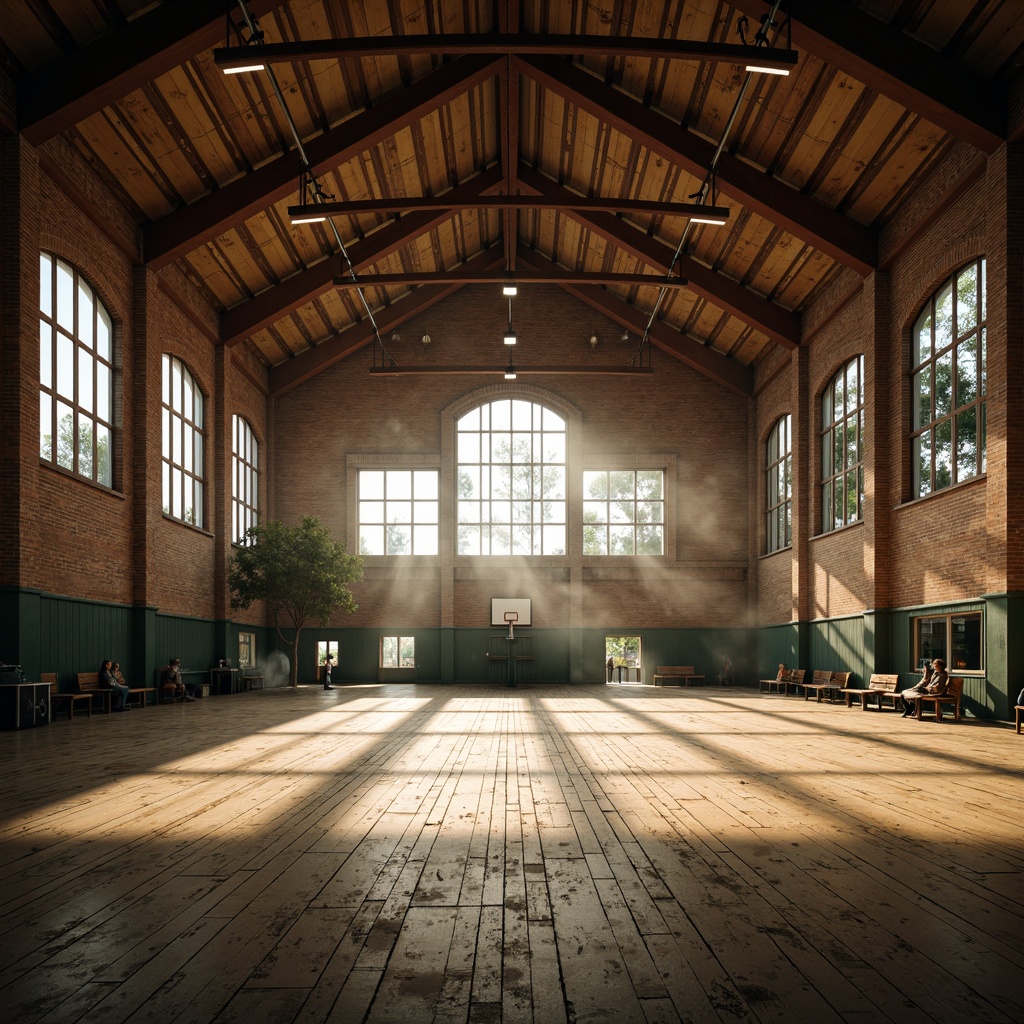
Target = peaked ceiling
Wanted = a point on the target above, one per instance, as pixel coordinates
(458, 104)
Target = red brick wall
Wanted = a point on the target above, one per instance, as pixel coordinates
(700, 427)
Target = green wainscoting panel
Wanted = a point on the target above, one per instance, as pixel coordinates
(840, 645)
(778, 645)
(76, 636)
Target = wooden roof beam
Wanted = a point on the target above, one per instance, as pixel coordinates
(896, 65)
(178, 233)
(274, 302)
(846, 241)
(779, 324)
(81, 83)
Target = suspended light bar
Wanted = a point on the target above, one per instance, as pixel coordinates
(310, 218)
(716, 221)
(243, 68)
(759, 69)
(510, 336)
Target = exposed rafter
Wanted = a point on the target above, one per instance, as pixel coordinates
(844, 240)
(176, 234)
(117, 63)
(898, 66)
(511, 43)
(459, 275)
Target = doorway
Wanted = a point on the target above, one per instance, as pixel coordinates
(622, 660)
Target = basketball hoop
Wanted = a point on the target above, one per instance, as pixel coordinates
(511, 618)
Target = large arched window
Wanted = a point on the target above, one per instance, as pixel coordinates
(947, 440)
(779, 489)
(76, 374)
(511, 480)
(842, 456)
(182, 452)
(245, 479)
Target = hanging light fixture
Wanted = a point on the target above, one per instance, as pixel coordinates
(510, 335)
(509, 287)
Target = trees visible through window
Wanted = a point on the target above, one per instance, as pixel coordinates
(511, 480)
(842, 432)
(779, 489)
(948, 378)
(244, 479)
(398, 512)
(76, 374)
(397, 652)
(182, 452)
(623, 512)
(956, 639)
(246, 650)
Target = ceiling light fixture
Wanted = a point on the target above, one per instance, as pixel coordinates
(244, 68)
(756, 69)
(425, 339)
(308, 213)
(593, 341)
(510, 335)
(509, 287)
(255, 38)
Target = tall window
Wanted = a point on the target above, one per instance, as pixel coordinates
(398, 512)
(956, 639)
(244, 479)
(76, 374)
(842, 431)
(624, 512)
(779, 489)
(947, 441)
(182, 443)
(397, 652)
(511, 480)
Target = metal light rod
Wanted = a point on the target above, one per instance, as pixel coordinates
(456, 43)
(520, 371)
(458, 276)
(401, 204)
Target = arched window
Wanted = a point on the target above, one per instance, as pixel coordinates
(76, 374)
(842, 432)
(947, 440)
(245, 479)
(779, 489)
(511, 480)
(182, 453)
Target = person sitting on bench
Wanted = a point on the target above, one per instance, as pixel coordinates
(935, 681)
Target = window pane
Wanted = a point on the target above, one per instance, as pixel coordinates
(967, 371)
(45, 354)
(649, 540)
(424, 540)
(554, 540)
(65, 367)
(371, 540)
(943, 454)
(85, 362)
(104, 393)
(944, 317)
(65, 297)
(45, 427)
(104, 460)
(965, 650)
(45, 285)
(399, 512)
(943, 384)
(967, 300)
(425, 512)
(398, 539)
(966, 444)
(922, 344)
(104, 334)
(371, 484)
(398, 484)
(620, 539)
(922, 403)
(85, 314)
(425, 484)
(84, 432)
(921, 457)
(65, 436)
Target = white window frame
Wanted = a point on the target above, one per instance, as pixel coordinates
(779, 486)
(183, 451)
(245, 479)
(608, 511)
(842, 472)
(399, 511)
(77, 374)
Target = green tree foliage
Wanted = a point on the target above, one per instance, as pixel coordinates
(299, 572)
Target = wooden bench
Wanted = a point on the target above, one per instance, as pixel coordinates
(881, 687)
(68, 699)
(952, 697)
(826, 684)
(779, 682)
(89, 682)
(685, 673)
(795, 683)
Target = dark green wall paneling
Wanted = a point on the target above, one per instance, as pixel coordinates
(838, 645)
(778, 645)
(75, 636)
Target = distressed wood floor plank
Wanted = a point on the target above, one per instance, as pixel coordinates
(483, 855)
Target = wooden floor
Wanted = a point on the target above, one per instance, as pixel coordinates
(480, 854)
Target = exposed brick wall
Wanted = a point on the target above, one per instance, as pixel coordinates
(675, 412)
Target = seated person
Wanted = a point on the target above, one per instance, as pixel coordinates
(170, 676)
(725, 676)
(109, 680)
(934, 681)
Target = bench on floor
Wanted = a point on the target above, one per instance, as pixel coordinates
(881, 687)
(684, 673)
(89, 682)
(68, 700)
(826, 684)
(778, 683)
(795, 683)
(951, 697)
